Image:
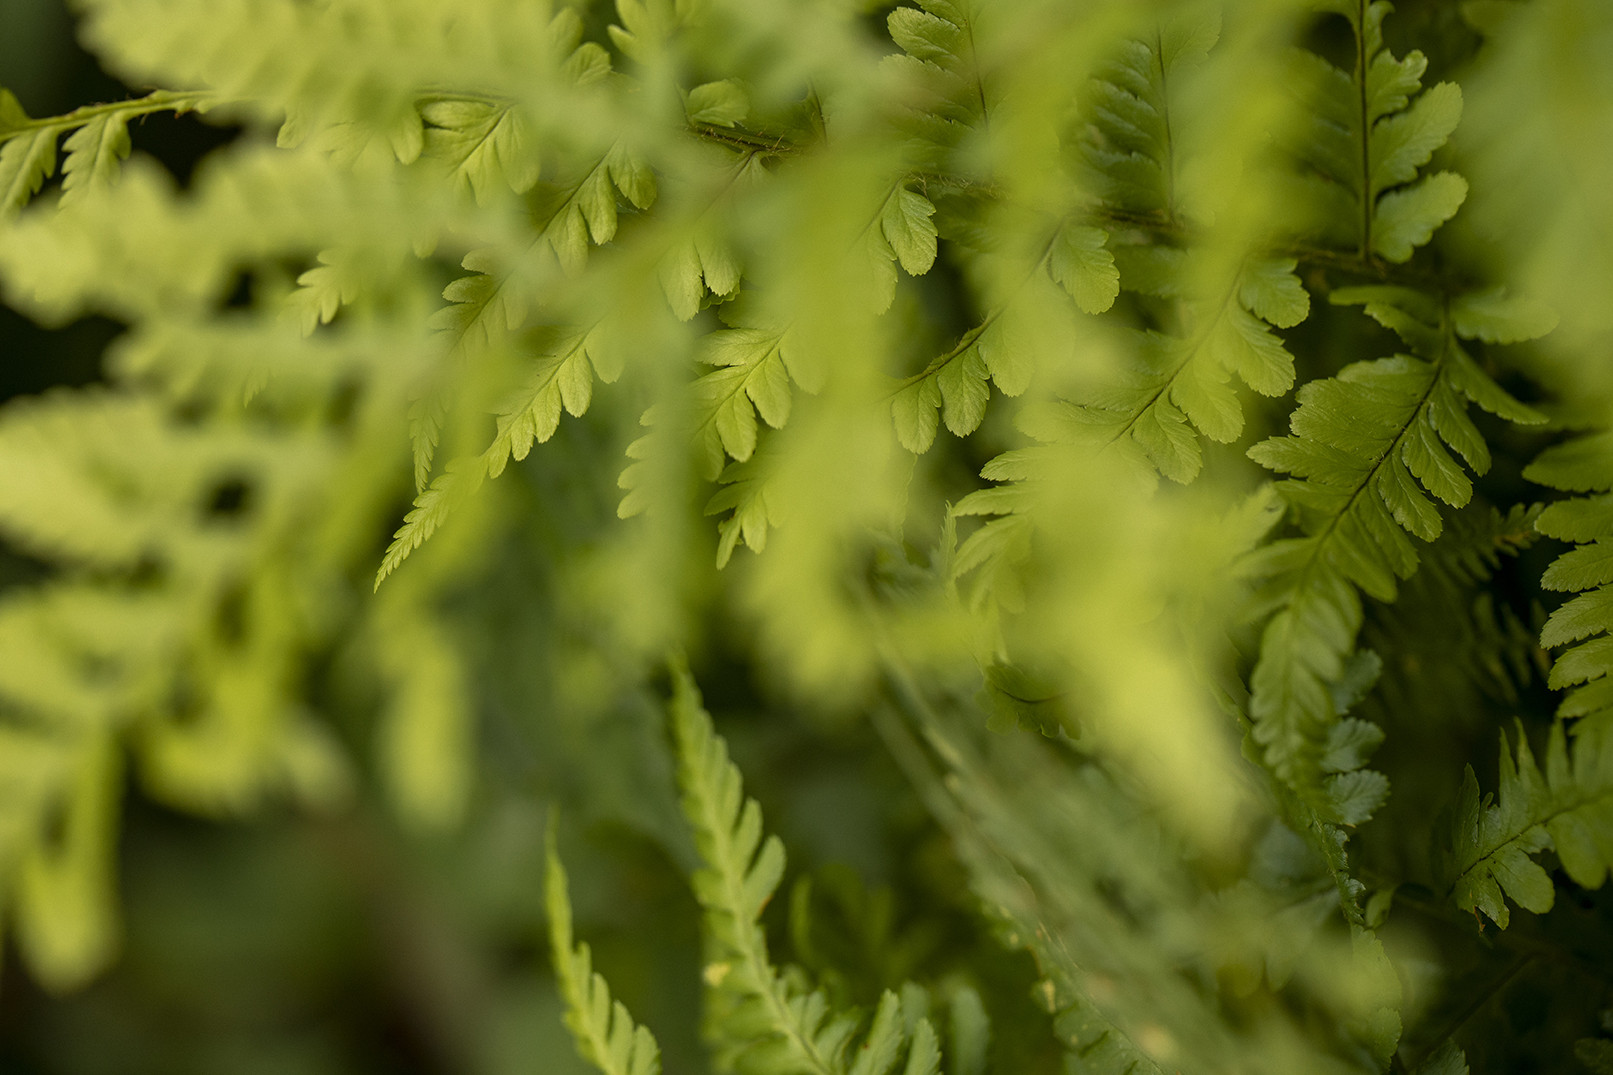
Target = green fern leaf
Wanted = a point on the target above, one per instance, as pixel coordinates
(1081, 263)
(752, 377)
(1364, 448)
(717, 104)
(94, 153)
(486, 146)
(452, 487)
(1407, 217)
(602, 1027)
(1448, 1059)
(937, 39)
(1184, 383)
(26, 161)
(744, 494)
(1567, 808)
(1584, 464)
(740, 875)
(766, 1022)
(1131, 149)
(1369, 133)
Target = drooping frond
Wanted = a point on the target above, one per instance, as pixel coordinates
(1488, 853)
(602, 1027)
(97, 143)
(1364, 448)
(1366, 136)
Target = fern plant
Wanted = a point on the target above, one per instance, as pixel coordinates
(444, 397)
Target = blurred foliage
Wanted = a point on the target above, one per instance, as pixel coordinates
(987, 535)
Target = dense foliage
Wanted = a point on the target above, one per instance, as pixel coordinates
(1133, 480)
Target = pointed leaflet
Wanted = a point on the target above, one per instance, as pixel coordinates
(953, 387)
(718, 104)
(1406, 218)
(752, 378)
(602, 1027)
(94, 152)
(486, 146)
(744, 496)
(906, 224)
(1081, 264)
(26, 161)
(901, 231)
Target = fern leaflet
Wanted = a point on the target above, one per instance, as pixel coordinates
(603, 1029)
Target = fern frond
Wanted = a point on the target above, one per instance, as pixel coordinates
(1130, 150)
(901, 232)
(602, 1027)
(94, 154)
(450, 489)
(1360, 445)
(955, 387)
(344, 75)
(741, 874)
(1371, 131)
(1582, 465)
(753, 374)
(701, 262)
(766, 1021)
(485, 145)
(1182, 384)
(937, 39)
(97, 142)
(1568, 808)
